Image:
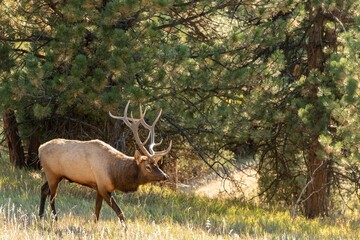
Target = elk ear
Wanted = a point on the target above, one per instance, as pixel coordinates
(137, 157)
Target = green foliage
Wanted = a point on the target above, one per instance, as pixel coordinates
(41, 112)
(5, 61)
(234, 78)
(351, 89)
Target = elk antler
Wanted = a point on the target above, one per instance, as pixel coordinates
(134, 123)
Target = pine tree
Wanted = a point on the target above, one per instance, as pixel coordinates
(274, 79)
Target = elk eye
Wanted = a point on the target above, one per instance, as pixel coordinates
(148, 167)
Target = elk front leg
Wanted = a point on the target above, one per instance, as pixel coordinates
(110, 200)
(98, 204)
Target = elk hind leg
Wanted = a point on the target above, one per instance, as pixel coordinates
(53, 188)
(45, 192)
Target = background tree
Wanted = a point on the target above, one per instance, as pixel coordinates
(272, 79)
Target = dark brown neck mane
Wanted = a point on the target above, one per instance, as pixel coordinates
(125, 173)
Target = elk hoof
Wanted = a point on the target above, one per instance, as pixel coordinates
(124, 225)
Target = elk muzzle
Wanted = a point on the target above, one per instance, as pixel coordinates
(162, 176)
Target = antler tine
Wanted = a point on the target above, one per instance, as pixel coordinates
(157, 118)
(159, 143)
(147, 139)
(151, 129)
(131, 116)
(125, 113)
(152, 145)
(125, 118)
(163, 152)
(142, 114)
(116, 117)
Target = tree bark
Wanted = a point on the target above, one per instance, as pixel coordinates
(32, 157)
(317, 191)
(16, 150)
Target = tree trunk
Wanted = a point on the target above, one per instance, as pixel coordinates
(32, 157)
(16, 150)
(317, 191)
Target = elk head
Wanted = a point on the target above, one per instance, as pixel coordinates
(149, 170)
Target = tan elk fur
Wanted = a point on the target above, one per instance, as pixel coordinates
(97, 165)
(90, 163)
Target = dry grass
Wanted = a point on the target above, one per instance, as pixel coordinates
(152, 213)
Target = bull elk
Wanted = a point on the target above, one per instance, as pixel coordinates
(97, 165)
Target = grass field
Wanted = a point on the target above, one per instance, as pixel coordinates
(152, 213)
